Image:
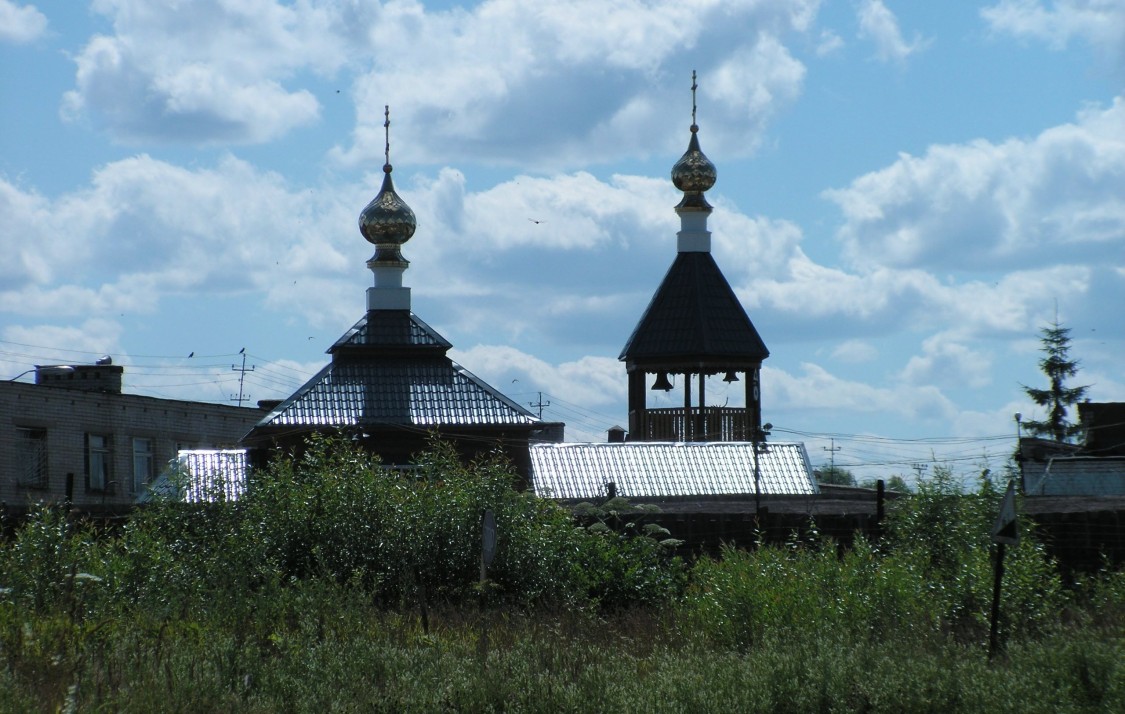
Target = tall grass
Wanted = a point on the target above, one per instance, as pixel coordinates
(932, 574)
(336, 585)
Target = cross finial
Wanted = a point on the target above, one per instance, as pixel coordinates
(694, 86)
(387, 137)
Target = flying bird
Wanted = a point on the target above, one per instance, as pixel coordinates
(534, 221)
(191, 355)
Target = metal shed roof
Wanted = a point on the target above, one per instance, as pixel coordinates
(668, 470)
(1075, 476)
(201, 476)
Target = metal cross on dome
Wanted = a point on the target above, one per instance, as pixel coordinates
(387, 134)
(694, 87)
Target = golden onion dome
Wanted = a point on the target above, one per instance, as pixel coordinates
(387, 219)
(693, 174)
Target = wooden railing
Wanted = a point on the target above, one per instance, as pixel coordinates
(710, 424)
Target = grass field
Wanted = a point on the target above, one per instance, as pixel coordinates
(335, 587)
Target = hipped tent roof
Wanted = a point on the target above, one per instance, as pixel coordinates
(695, 319)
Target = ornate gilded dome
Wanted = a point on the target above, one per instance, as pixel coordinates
(387, 221)
(694, 173)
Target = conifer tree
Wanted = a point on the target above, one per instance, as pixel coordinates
(1057, 365)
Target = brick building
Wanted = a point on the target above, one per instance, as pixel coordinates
(74, 431)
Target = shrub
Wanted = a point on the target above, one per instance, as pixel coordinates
(932, 574)
(403, 536)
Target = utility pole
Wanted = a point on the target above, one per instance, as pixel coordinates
(760, 435)
(241, 376)
(832, 451)
(539, 404)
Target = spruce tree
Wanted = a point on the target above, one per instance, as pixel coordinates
(1059, 367)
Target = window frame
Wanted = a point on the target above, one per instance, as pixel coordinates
(99, 455)
(32, 442)
(140, 481)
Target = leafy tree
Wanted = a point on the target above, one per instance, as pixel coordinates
(1057, 365)
(835, 475)
(894, 483)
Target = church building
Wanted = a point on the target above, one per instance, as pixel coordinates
(390, 384)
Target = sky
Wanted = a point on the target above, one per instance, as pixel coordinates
(907, 194)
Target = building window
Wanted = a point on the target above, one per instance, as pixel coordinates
(98, 460)
(32, 457)
(142, 464)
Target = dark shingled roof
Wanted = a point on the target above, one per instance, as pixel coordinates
(391, 330)
(694, 316)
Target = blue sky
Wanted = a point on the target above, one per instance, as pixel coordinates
(907, 193)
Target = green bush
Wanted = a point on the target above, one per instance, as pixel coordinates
(405, 537)
(932, 574)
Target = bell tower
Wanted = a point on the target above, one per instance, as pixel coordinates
(694, 328)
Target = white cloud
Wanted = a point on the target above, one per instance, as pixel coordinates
(855, 351)
(816, 389)
(144, 229)
(538, 85)
(828, 42)
(27, 261)
(751, 247)
(1099, 22)
(566, 211)
(980, 205)
(20, 24)
(946, 361)
(878, 24)
(590, 386)
(545, 87)
(207, 72)
(94, 336)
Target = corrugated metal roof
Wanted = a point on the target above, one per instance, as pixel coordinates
(391, 329)
(668, 470)
(201, 476)
(425, 392)
(1076, 476)
(694, 314)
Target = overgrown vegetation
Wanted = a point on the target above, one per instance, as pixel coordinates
(337, 585)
